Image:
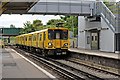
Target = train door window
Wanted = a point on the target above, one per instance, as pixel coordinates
(26, 38)
(40, 37)
(57, 35)
(44, 36)
(34, 37)
(23, 38)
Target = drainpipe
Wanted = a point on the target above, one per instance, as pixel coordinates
(117, 35)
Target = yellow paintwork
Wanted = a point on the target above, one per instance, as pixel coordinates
(39, 42)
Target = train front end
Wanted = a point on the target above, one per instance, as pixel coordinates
(58, 41)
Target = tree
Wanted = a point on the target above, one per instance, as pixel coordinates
(12, 26)
(31, 27)
(53, 22)
(70, 22)
(37, 24)
(28, 27)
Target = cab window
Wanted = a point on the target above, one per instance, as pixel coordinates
(50, 34)
(65, 34)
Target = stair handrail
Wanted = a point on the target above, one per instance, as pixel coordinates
(107, 14)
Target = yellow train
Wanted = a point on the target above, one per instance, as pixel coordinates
(51, 41)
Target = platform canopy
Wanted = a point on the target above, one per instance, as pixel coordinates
(16, 6)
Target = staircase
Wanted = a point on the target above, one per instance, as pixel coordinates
(111, 20)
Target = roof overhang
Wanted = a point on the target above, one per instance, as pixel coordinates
(16, 6)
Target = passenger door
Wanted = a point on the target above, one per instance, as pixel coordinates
(94, 41)
(44, 38)
(57, 39)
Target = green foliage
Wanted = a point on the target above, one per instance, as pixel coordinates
(113, 6)
(37, 25)
(53, 22)
(31, 27)
(28, 27)
(71, 22)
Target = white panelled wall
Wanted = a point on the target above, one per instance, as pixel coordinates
(106, 36)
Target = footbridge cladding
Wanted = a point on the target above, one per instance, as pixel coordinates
(54, 7)
(64, 7)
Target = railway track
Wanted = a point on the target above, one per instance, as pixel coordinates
(95, 67)
(62, 69)
(96, 72)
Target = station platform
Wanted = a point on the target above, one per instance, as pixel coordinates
(16, 66)
(96, 53)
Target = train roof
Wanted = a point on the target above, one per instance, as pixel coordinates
(42, 31)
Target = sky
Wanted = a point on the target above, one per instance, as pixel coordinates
(117, 0)
(6, 20)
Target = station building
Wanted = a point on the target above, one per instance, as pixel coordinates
(95, 34)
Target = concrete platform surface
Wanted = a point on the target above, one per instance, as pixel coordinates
(14, 66)
(96, 53)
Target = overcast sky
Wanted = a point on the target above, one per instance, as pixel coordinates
(18, 20)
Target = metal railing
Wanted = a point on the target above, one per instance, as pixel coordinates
(107, 15)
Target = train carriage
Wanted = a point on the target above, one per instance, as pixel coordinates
(51, 41)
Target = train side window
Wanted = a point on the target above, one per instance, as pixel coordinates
(29, 38)
(23, 38)
(26, 38)
(34, 37)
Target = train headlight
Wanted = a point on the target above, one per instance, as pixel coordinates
(50, 44)
(66, 44)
